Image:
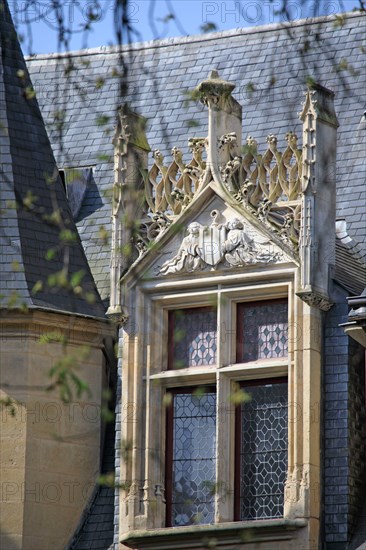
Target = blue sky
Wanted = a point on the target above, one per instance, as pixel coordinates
(154, 18)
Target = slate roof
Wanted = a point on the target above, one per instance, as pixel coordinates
(350, 268)
(27, 165)
(269, 66)
(97, 530)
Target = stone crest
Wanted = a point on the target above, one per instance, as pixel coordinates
(228, 244)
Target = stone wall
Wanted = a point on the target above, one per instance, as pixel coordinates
(50, 449)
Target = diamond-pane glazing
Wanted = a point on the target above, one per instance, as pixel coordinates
(194, 437)
(194, 338)
(262, 331)
(263, 452)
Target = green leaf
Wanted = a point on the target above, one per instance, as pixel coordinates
(90, 297)
(58, 279)
(339, 21)
(103, 234)
(107, 415)
(104, 158)
(65, 378)
(192, 123)
(250, 88)
(37, 287)
(102, 120)
(13, 299)
(239, 396)
(50, 254)
(167, 399)
(29, 93)
(107, 480)
(49, 337)
(67, 236)
(77, 277)
(310, 81)
(199, 392)
(29, 200)
(99, 83)
(10, 405)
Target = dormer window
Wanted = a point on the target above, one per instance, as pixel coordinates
(209, 364)
(75, 182)
(224, 432)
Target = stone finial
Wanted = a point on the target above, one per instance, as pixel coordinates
(224, 119)
(320, 100)
(217, 91)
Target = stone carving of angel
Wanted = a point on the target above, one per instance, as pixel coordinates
(187, 258)
(239, 248)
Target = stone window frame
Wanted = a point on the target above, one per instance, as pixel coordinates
(224, 375)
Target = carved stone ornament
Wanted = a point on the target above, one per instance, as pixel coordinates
(314, 299)
(117, 315)
(228, 244)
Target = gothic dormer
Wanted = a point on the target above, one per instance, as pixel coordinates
(221, 332)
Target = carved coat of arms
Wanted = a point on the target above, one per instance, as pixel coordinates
(230, 244)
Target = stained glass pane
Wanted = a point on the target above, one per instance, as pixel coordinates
(263, 452)
(193, 467)
(262, 331)
(193, 338)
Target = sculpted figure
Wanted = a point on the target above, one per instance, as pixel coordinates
(239, 249)
(187, 258)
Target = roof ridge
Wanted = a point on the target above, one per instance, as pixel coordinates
(179, 40)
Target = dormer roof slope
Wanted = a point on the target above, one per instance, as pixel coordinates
(31, 195)
(270, 66)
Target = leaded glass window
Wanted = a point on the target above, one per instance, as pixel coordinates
(262, 331)
(192, 337)
(262, 451)
(191, 462)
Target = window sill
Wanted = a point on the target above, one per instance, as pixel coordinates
(191, 375)
(260, 369)
(254, 368)
(199, 536)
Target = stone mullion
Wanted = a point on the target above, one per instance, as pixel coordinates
(127, 361)
(310, 483)
(154, 487)
(224, 490)
(137, 400)
(296, 407)
(224, 503)
(302, 495)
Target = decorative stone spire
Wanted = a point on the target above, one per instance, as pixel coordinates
(130, 162)
(224, 122)
(317, 235)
